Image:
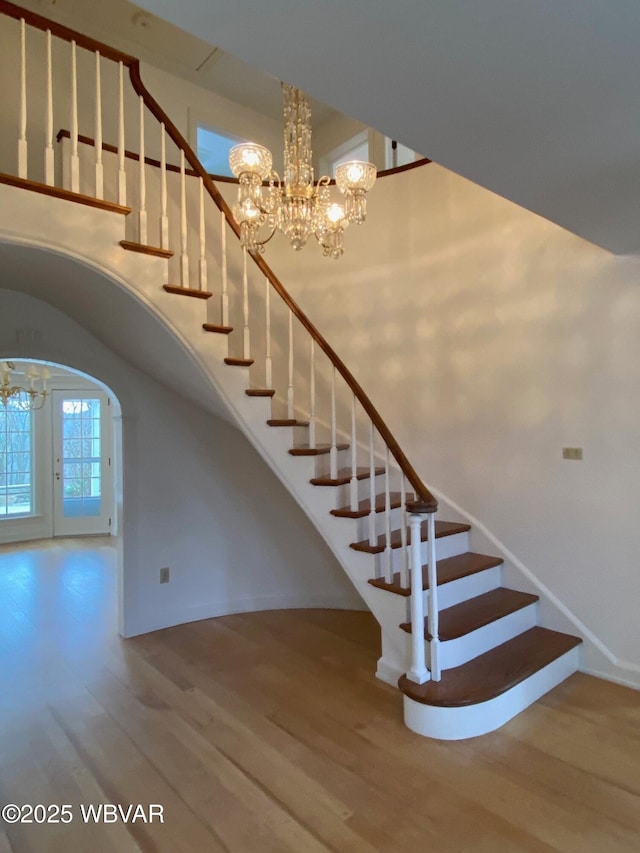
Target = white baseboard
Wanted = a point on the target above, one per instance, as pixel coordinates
(210, 610)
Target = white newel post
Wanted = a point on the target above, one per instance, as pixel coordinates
(432, 615)
(418, 671)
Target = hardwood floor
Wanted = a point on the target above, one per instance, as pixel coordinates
(267, 732)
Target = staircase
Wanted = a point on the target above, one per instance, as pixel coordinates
(161, 229)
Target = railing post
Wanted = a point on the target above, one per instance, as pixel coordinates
(49, 177)
(418, 671)
(432, 612)
(22, 120)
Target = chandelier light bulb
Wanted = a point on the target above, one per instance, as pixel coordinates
(335, 213)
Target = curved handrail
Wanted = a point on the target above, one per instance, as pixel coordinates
(424, 501)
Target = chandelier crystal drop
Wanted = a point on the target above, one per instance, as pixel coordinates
(27, 396)
(295, 204)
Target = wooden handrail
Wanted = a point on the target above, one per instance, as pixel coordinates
(424, 500)
(63, 133)
(65, 33)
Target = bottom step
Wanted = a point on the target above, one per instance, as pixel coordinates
(483, 694)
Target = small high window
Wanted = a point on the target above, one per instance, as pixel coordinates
(213, 150)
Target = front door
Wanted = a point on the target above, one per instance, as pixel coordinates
(82, 470)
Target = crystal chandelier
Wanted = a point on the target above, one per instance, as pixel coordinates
(295, 204)
(35, 398)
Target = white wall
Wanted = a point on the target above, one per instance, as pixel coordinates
(489, 339)
(197, 498)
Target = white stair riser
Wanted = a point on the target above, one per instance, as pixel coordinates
(456, 652)
(323, 462)
(343, 493)
(397, 608)
(474, 720)
(463, 649)
(455, 592)
(446, 546)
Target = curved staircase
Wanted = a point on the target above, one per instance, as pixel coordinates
(479, 654)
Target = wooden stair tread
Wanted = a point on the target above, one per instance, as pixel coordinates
(449, 569)
(318, 450)
(286, 422)
(146, 250)
(260, 392)
(239, 362)
(494, 672)
(187, 291)
(344, 477)
(477, 612)
(364, 506)
(443, 528)
(66, 195)
(221, 330)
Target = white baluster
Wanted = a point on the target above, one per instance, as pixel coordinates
(184, 246)
(122, 175)
(164, 218)
(333, 453)
(246, 335)
(98, 132)
(142, 212)
(312, 394)
(268, 364)
(290, 400)
(224, 303)
(433, 617)
(372, 486)
(49, 169)
(202, 265)
(388, 563)
(75, 158)
(418, 671)
(22, 121)
(404, 556)
(354, 458)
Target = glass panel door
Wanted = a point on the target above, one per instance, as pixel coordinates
(16, 458)
(82, 465)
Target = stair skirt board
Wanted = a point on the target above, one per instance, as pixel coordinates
(474, 720)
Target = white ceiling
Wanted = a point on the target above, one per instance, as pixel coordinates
(538, 101)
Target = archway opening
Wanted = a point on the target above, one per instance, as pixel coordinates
(60, 497)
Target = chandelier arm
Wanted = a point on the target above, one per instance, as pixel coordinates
(424, 499)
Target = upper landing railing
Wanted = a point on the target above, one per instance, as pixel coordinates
(66, 78)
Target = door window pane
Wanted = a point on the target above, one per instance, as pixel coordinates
(16, 455)
(81, 471)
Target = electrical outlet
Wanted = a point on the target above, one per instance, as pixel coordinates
(572, 453)
(164, 575)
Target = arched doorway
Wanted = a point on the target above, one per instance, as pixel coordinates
(57, 460)
(60, 476)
